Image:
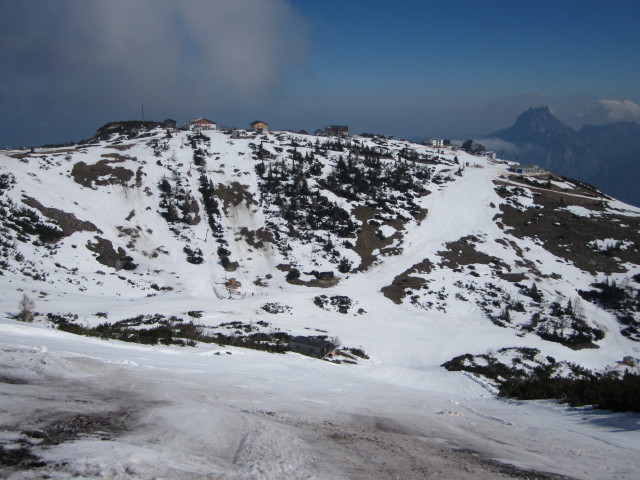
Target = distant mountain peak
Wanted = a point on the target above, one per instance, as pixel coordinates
(541, 110)
(541, 122)
(536, 114)
(534, 125)
(606, 155)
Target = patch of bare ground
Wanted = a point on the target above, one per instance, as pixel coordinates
(396, 291)
(383, 448)
(545, 181)
(233, 195)
(582, 196)
(368, 239)
(100, 174)
(25, 153)
(315, 283)
(340, 356)
(117, 157)
(67, 222)
(422, 213)
(133, 234)
(50, 410)
(263, 282)
(257, 238)
(58, 150)
(59, 428)
(322, 283)
(522, 262)
(109, 256)
(463, 252)
(70, 426)
(120, 146)
(567, 235)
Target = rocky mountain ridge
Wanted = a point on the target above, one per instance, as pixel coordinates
(606, 155)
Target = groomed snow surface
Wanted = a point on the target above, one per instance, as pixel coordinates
(210, 412)
(75, 407)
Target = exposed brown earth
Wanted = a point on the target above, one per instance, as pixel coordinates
(463, 252)
(120, 147)
(396, 291)
(567, 235)
(67, 222)
(543, 181)
(315, 283)
(367, 239)
(107, 255)
(233, 195)
(118, 157)
(257, 238)
(100, 174)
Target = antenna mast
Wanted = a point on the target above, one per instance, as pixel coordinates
(142, 103)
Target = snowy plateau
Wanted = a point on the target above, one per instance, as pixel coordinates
(149, 260)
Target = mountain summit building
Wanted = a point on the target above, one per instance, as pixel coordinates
(200, 124)
(311, 346)
(259, 126)
(525, 169)
(336, 130)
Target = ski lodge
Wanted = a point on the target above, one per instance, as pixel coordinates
(311, 346)
(200, 124)
(525, 169)
(259, 126)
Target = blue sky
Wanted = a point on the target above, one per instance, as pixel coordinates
(473, 64)
(412, 69)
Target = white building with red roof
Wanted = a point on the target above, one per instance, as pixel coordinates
(202, 124)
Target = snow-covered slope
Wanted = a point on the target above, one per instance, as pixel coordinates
(86, 408)
(410, 254)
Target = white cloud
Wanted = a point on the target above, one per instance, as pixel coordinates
(108, 54)
(617, 110)
(497, 145)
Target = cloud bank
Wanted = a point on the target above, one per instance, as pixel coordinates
(192, 56)
(617, 110)
(498, 145)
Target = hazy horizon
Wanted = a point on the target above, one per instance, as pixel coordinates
(415, 70)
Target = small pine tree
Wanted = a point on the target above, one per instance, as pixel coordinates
(26, 313)
(569, 308)
(293, 274)
(344, 266)
(535, 294)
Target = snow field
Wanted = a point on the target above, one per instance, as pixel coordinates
(224, 412)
